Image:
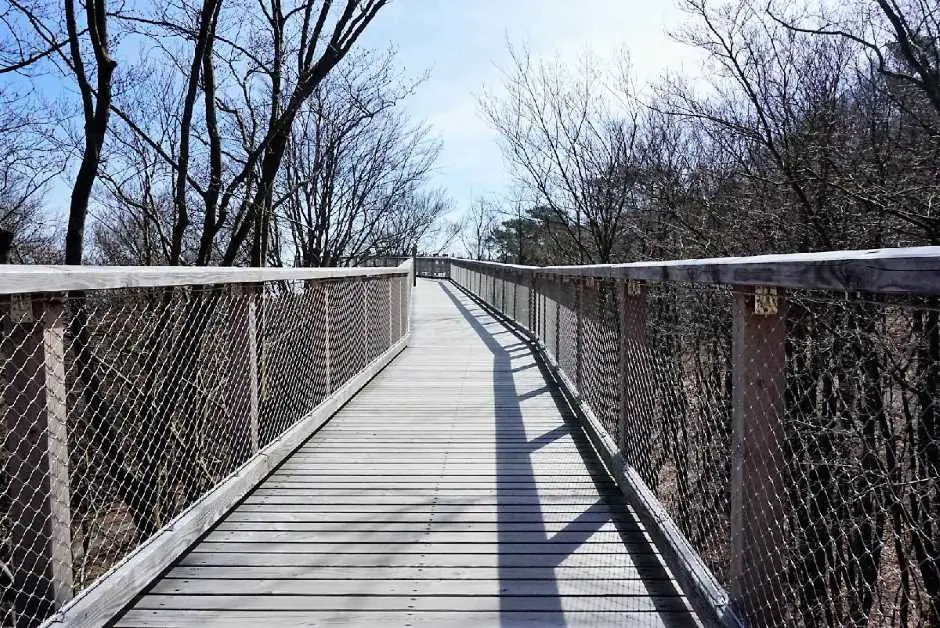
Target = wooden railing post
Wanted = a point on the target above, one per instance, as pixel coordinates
(534, 318)
(253, 293)
(556, 290)
(37, 465)
(579, 331)
(414, 265)
(326, 339)
(758, 516)
(634, 353)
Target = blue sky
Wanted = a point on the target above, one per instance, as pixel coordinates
(464, 44)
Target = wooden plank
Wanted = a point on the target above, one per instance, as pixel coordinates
(430, 506)
(536, 538)
(381, 525)
(395, 586)
(26, 278)
(409, 547)
(497, 483)
(467, 558)
(307, 619)
(295, 512)
(436, 603)
(364, 498)
(402, 572)
(914, 270)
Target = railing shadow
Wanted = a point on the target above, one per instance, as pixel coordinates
(511, 431)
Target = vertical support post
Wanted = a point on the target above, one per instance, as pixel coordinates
(758, 407)
(414, 265)
(534, 317)
(634, 355)
(37, 467)
(579, 330)
(391, 302)
(405, 302)
(327, 349)
(556, 288)
(253, 387)
(366, 326)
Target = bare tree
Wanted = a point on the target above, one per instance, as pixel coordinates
(353, 169)
(570, 151)
(478, 227)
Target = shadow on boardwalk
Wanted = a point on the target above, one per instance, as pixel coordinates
(511, 436)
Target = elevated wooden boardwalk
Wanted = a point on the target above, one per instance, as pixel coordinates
(452, 491)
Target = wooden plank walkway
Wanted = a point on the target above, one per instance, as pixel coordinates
(452, 491)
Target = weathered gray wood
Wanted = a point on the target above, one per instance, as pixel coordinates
(397, 586)
(308, 619)
(403, 572)
(33, 353)
(464, 512)
(913, 270)
(457, 559)
(758, 511)
(388, 534)
(379, 524)
(434, 603)
(16, 279)
(253, 374)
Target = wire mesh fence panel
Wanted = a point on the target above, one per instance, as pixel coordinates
(123, 407)
(567, 333)
(347, 304)
(600, 354)
(793, 438)
(292, 352)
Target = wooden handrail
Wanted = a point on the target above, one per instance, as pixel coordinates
(18, 279)
(913, 270)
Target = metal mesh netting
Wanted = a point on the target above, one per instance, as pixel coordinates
(123, 407)
(793, 439)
